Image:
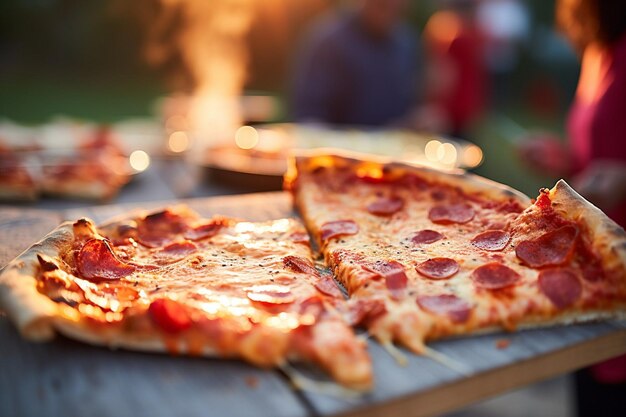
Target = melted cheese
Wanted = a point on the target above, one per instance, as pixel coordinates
(243, 299)
(336, 193)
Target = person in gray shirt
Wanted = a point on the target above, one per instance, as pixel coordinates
(359, 67)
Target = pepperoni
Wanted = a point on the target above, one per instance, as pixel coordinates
(207, 230)
(312, 306)
(426, 236)
(127, 229)
(451, 213)
(300, 265)
(394, 275)
(551, 249)
(177, 250)
(326, 285)
(169, 315)
(97, 261)
(182, 248)
(300, 237)
(271, 294)
(160, 228)
(385, 206)
(561, 286)
(590, 263)
(446, 305)
(365, 312)
(543, 201)
(491, 240)
(438, 268)
(46, 263)
(494, 276)
(338, 228)
(593, 272)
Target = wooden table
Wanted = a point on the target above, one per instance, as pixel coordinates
(66, 378)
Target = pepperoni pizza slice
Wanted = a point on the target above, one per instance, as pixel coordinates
(172, 281)
(426, 254)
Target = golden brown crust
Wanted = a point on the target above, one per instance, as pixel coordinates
(307, 161)
(32, 312)
(607, 237)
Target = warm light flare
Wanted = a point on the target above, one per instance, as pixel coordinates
(139, 160)
(472, 156)
(369, 171)
(283, 321)
(246, 137)
(431, 149)
(178, 142)
(446, 154)
(443, 27)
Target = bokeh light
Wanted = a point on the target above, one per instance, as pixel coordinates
(139, 160)
(246, 137)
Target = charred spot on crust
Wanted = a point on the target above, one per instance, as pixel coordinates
(82, 222)
(159, 215)
(618, 232)
(46, 263)
(84, 227)
(127, 228)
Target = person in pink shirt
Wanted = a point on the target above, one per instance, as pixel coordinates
(594, 159)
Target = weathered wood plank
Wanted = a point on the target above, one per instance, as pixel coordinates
(66, 378)
(425, 388)
(21, 227)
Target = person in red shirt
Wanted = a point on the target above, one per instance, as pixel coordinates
(594, 159)
(457, 75)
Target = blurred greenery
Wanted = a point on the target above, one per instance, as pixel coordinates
(36, 100)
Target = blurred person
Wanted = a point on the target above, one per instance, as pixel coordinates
(505, 25)
(360, 67)
(457, 75)
(594, 158)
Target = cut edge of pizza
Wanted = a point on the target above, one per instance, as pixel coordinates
(267, 303)
(462, 254)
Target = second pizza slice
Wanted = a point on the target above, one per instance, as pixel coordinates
(426, 254)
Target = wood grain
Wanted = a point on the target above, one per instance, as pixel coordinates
(68, 378)
(21, 227)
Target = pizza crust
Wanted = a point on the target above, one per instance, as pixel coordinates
(307, 161)
(32, 312)
(607, 236)
(38, 318)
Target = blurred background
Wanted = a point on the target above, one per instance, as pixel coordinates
(207, 96)
(117, 60)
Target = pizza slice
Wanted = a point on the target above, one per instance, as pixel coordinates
(174, 282)
(17, 182)
(426, 254)
(96, 167)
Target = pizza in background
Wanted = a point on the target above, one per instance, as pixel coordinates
(62, 159)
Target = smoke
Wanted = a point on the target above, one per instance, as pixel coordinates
(208, 38)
